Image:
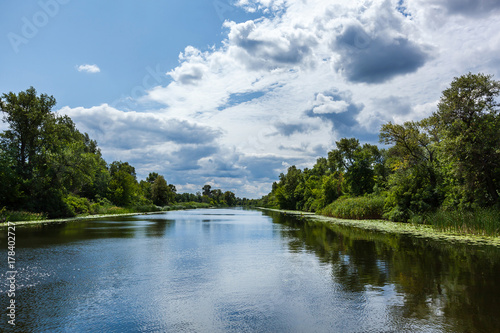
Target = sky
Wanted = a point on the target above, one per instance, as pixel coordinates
(233, 92)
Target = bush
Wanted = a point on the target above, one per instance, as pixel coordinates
(77, 205)
(366, 207)
(146, 208)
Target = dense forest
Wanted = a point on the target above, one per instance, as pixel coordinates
(442, 170)
(50, 168)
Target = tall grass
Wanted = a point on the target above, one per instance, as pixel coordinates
(14, 216)
(368, 207)
(484, 222)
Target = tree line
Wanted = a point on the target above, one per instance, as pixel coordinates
(48, 166)
(448, 161)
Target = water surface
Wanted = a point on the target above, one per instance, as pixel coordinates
(230, 270)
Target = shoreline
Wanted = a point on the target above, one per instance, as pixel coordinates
(78, 218)
(420, 231)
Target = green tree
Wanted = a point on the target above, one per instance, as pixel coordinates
(357, 163)
(26, 113)
(286, 195)
(468, 120)
(206, 190)
(123, 183)
(217, 195)
(230, 198)
(414, 186)
(50, 157)
(9, 191)
(152, 177)
(161, 193)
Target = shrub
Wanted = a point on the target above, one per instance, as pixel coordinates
(366, 207)
(77, 205)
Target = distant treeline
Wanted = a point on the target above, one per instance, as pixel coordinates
(48, 167)
(444, 167)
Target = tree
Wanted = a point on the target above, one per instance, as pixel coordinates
(286, 194)
(216, 195)
(469, 126)
(26, 113)
(152, 177)
(230, 198)
(161, 193)
(123, 183)
(50, 158)
(357, 163)
(414, 186)
(206, 190)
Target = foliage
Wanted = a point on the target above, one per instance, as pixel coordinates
(468, 120)
(13, 216)
(77, 205)
(350, 169)
(161, 193)
(365, 207)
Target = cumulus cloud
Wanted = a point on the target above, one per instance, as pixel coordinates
(128, 130)
(281, 89)
(88, 68)
(326, 104)
(261, 5)
(374, 47)
(266, 46)
(192, 68)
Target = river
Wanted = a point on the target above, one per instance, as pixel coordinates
(235, 270)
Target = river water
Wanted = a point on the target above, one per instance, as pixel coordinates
(234, 270)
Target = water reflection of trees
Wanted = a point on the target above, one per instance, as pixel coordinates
(51, 234)
(455, 284)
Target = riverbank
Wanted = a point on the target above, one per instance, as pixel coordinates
(98, 216)
(78, 218)
(416, 230)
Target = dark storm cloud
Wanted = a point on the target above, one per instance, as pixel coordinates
(376, 60)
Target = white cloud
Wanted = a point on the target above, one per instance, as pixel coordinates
(326, 104)
(88, 68)
(283, 88)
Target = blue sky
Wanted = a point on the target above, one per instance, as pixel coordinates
(232, 92)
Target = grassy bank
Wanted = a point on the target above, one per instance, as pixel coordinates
(415, 230)
(482, 221)
(106, 210)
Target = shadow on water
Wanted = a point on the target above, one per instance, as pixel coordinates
(437, 280)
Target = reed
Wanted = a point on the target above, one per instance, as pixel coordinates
(485, 222)
(367, 207)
